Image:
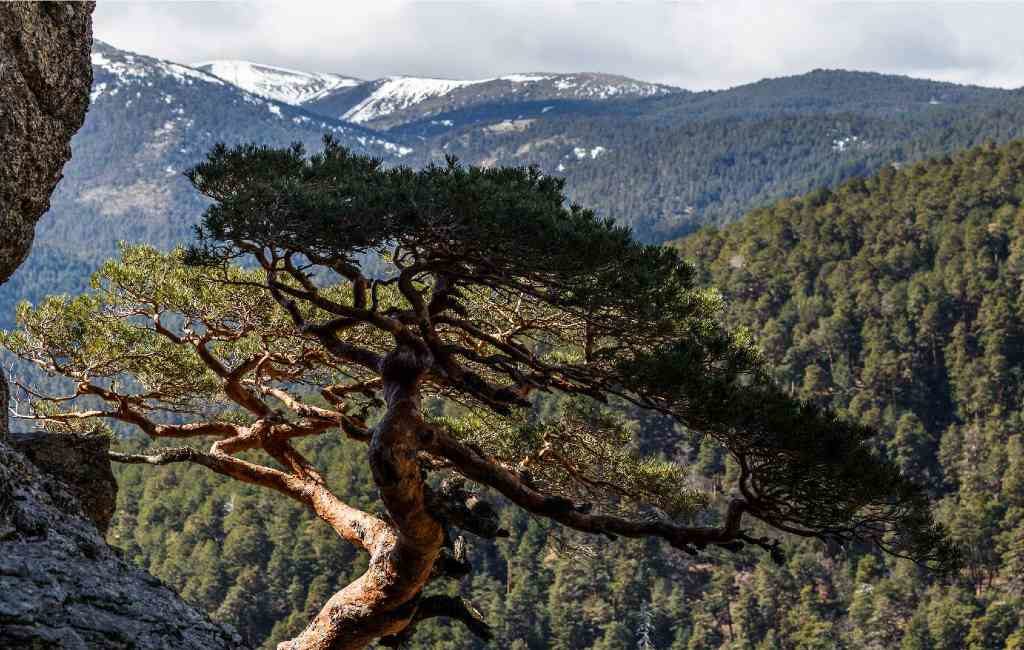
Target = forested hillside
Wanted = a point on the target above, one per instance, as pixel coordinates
(896, 300)
(668, 165)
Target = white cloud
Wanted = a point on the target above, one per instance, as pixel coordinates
(698, 45)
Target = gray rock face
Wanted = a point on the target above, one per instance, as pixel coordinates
(45, 75)
(61, 586)
(80, 462)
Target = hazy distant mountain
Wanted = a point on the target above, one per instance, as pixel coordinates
(391, 101)
(280, 84)
(141, 90)
(149, 121)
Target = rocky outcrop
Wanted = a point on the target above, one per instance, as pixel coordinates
(80, 462)
(45, 75)
(61, 586)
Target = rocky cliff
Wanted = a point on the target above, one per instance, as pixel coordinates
(61, 586)
(45, 75)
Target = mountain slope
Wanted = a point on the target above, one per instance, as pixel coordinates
(280, 84)
(707, 158)
(142, 81)
(149, 120)
(818, 91)
(898, 300)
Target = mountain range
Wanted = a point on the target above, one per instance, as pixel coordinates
(393, 101)
(664, 160)
(894, 297)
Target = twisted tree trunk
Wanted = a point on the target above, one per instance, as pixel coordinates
(384, 600)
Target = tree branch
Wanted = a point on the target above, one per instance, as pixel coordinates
(440, 605)
(359, 528)
(479, 467)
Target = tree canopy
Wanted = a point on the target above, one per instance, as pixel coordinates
(495, 292)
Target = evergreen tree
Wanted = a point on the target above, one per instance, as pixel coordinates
(498, 292)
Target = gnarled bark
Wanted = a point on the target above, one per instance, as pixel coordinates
(384, 600)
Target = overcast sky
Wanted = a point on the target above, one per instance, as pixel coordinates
(698, 45)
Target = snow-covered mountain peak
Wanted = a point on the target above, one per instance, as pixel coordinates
(379, 104)
(127, 67)
(281, 84)
(394, 94)
(176, 108)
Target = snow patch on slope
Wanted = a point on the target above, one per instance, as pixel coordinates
(583, 152)
(596, 87)
(849, 143)
(525, 78)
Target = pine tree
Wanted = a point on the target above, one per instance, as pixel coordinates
(497, 292)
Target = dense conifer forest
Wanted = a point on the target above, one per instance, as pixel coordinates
(895, 300)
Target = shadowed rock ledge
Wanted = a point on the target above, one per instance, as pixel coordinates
(62, 586)
(80, 462)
